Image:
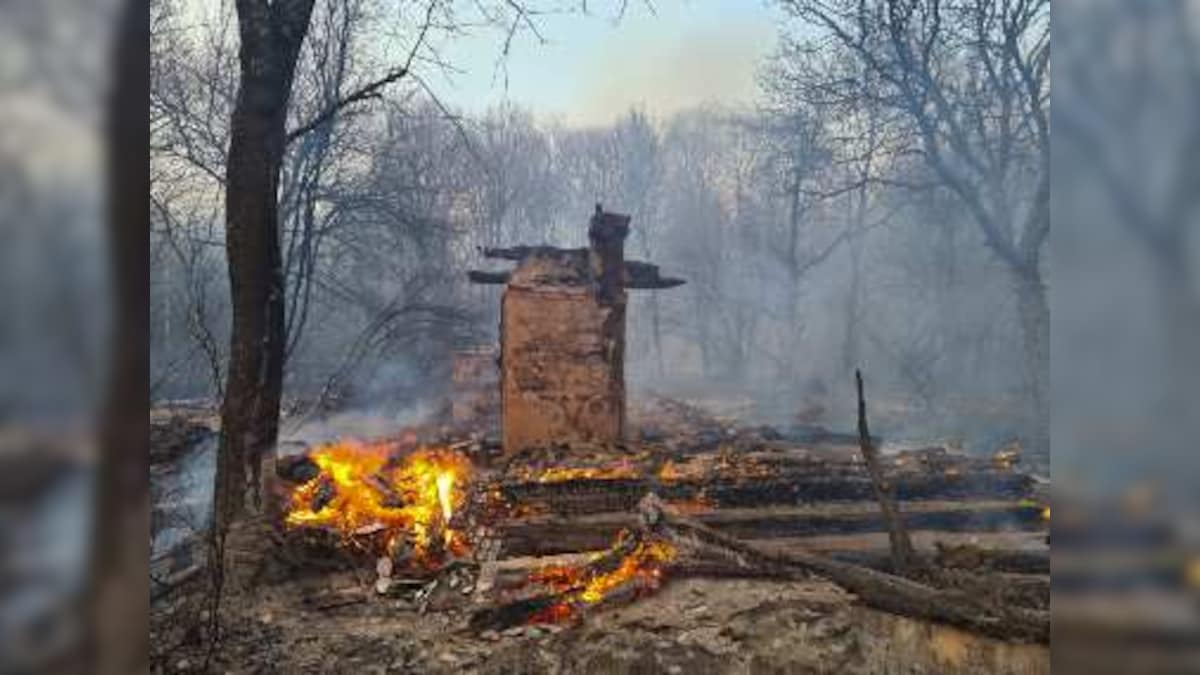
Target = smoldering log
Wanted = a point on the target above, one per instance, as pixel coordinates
(554, 535)
(1034, 565)
(526, 610)
(510, 614)
(1010, 562)
(324, 494)
(388, 494)
(296, 468)
(583, 496)
(880, 590)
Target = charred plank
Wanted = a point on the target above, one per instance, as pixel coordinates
(637, 275)
(895, 594)
(598, 495)
(569, 535)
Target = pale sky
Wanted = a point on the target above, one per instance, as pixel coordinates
(594, 69)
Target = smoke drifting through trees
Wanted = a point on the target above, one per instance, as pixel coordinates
(810, 245)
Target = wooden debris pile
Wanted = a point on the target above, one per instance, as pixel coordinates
(682, 546)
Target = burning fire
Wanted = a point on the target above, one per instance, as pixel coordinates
(585, 585)
(727, 465)
(620, 469)
(1191, 574)
(671, 472)
(365, 487)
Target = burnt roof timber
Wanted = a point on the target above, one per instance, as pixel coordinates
(638, 275)
(519, 253)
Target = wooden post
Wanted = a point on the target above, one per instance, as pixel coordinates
(902, 549)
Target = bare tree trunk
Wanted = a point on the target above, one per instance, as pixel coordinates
(850, 338)
(1033, 312)
(271, 36)
(1176, 423)
(122, 503)
(793, 251)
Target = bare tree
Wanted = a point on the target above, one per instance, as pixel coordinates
(1128, 162)
(122, 494)
(967, 85)
(271, 38)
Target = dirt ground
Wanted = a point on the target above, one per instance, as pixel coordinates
(689, 626)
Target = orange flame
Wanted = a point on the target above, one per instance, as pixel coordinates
(583, 586)
(362, 485)
(671, 472)
(620, 469)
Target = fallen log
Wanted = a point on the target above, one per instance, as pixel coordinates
(597, 495)
(550, 535)
(886, 592)
(1033, 566)
(1010, 562)
(334, 599)
(574, 590)
(515, 613)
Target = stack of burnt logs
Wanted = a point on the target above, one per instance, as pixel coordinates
(781, 494)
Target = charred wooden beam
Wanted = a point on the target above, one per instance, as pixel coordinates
(643, 275)
(514, 573)
(1017, 613)
(553, 536)
(1010, 562)
(519, 253)
(886, 592)
(638, 275)
(582, 496)
(485, 277)
(566, 601)
(511, 614)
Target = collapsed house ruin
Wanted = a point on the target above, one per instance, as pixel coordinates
(463, 531)
(562, 336)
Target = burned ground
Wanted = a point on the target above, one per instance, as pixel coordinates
(311, 605)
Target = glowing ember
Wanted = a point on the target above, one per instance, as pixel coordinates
(621, 469)
(1191, 573)
(726, 465)
(701, 503)
(588, 585)
(645, 562)
(365, 487)
(671, 472)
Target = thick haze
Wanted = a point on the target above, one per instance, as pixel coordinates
(694, 118)
(661, 56)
